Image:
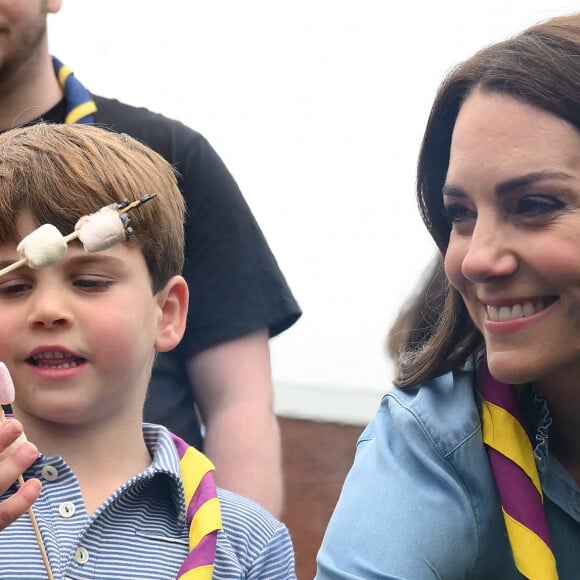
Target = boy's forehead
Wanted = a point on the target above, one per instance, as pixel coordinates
(26, 223)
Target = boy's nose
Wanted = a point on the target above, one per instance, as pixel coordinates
(49, 309)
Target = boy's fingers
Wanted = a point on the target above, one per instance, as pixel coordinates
(13, 462)
(11, 437)
(12, 508)
(10, 430)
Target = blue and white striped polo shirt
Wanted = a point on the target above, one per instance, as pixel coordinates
(141, 531)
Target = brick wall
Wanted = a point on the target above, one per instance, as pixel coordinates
(316, 459)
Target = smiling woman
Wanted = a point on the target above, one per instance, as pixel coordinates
(512, 196)
(473, 462)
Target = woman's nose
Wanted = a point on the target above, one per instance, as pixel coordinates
(490, 253)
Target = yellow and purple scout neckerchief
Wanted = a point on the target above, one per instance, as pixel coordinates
(203, 511)
(514, 468)
(203, 508)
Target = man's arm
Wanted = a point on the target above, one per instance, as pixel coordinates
(233, 389)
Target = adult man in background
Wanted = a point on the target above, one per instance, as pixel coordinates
(239, 297)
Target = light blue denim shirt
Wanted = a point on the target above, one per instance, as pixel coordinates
(420, 501)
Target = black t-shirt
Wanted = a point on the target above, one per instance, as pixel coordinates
(235, 284)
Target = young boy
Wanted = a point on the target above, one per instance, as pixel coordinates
(79, 339)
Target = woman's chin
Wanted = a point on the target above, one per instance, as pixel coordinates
(508, 368)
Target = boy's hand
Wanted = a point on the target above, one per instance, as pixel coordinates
(13, 464)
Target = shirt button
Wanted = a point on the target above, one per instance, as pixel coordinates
(81, 555)
(49, 472)
(67, 509)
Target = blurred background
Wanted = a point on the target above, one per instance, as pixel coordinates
(317, 107)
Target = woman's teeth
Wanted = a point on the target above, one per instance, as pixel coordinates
(523, 310)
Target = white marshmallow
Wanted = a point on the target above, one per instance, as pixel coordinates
(44, 246)
(101, 230)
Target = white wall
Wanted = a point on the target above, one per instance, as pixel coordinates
(317, 107)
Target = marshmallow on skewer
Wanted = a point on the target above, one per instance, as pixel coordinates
(42, 247)
(46, 246)
(102, 230)
(7, 395)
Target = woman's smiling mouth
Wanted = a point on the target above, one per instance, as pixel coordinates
(518, 310)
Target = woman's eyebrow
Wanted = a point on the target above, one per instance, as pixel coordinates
(511, 185)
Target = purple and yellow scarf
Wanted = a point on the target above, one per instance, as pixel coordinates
(514, 467)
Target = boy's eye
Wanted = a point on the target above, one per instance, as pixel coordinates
(538, 205)
(92, 283)
(14, 287)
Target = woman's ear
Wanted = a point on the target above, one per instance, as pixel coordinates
(173, 301)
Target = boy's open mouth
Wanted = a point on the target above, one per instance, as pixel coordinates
(55, 360)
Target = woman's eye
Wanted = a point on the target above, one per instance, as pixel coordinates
(457, 213)
(538, 205)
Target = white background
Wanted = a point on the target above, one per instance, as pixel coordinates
(317, 107)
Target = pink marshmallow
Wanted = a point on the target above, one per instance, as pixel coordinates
(7, 395)
(101, 230)
(7, 392)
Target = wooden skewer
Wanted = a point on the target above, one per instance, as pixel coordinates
(74, 235)
(13, 266)
(34, 521)
(39, 539)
